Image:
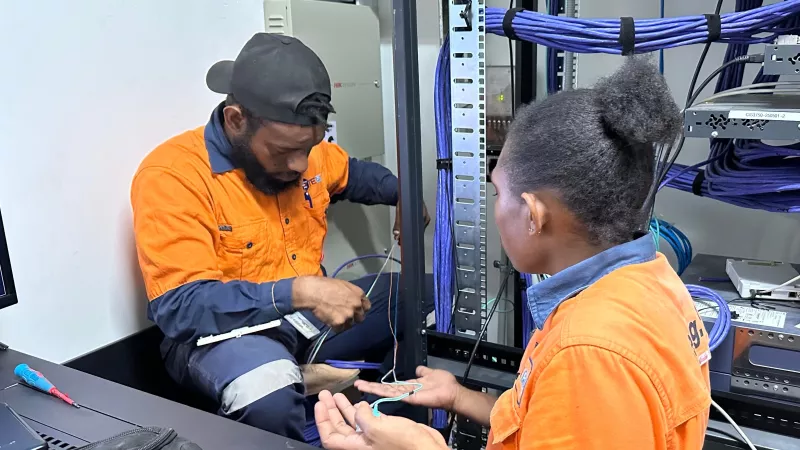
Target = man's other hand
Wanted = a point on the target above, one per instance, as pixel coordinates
(336, 303)
(396, 229)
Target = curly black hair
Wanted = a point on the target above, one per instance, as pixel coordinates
(596, 148)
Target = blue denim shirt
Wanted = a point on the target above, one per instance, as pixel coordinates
(545, 296)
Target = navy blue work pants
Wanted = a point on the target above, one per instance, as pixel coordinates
(256, 379)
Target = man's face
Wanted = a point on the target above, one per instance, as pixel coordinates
(273, 155)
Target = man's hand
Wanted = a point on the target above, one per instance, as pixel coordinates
(439, 389)
(396, 228)
(336, 303)
(337, 420)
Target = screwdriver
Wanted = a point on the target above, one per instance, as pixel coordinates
(36, 380)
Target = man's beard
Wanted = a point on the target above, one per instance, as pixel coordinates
(245, 159)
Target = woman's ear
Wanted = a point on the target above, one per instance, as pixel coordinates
(537, 212)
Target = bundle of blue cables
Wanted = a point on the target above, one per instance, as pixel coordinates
(744, 173)
(580, 35)
(552, 53)
(443, 238)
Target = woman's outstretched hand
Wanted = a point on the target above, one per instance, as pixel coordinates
(338, 420)
(439, 389)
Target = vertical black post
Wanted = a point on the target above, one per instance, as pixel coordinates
(525, 75)
(525, 70)
(409, 164)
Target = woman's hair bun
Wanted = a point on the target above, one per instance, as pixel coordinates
(636, 104)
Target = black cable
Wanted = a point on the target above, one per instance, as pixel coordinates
(511, 70)
(649, 202)
(486, 325)
(478, 338)
(693, 95)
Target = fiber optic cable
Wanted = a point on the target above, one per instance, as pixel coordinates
(345, 264)
(393, 372)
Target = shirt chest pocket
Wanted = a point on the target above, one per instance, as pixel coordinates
(506, 420)
(316, 212)
(245, 251)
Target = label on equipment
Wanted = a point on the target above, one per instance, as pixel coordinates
(765, 115)
(301, 324)
(746, 314)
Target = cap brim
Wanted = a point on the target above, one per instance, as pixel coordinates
(219, 77)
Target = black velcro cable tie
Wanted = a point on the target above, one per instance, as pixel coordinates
(697, 184)
(714, 27)
(508, 26)
(444, 164)
(627, 35)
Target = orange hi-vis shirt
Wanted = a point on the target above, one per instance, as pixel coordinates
(619, 361)
(216, 253)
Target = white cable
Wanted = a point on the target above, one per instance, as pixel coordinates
(318, 344)
(735, 426)
(790, 282)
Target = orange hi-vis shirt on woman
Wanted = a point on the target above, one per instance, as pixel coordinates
(216, 253)
(619, 360)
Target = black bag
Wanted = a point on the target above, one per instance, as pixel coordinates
(150, 438)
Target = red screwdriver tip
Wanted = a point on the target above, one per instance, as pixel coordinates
(64, 397)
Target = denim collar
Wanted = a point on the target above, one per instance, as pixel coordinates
(545, 296)
(217, 144)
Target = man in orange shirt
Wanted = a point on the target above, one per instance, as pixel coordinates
(230, 221)
(619, 356)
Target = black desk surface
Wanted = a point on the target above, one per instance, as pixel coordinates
(110, 408)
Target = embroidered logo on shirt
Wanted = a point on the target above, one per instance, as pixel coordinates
(225, 228)
(308, 182)
(522, 381)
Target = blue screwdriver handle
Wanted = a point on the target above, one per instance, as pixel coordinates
(33, 378)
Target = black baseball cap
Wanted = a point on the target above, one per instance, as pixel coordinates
(271, 76)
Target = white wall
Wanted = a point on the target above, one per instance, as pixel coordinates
(88, 88)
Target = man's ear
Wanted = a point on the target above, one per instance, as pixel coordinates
(234, 119)
(537, 212)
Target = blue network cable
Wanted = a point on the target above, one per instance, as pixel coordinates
(723, 323)
(676, 239)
